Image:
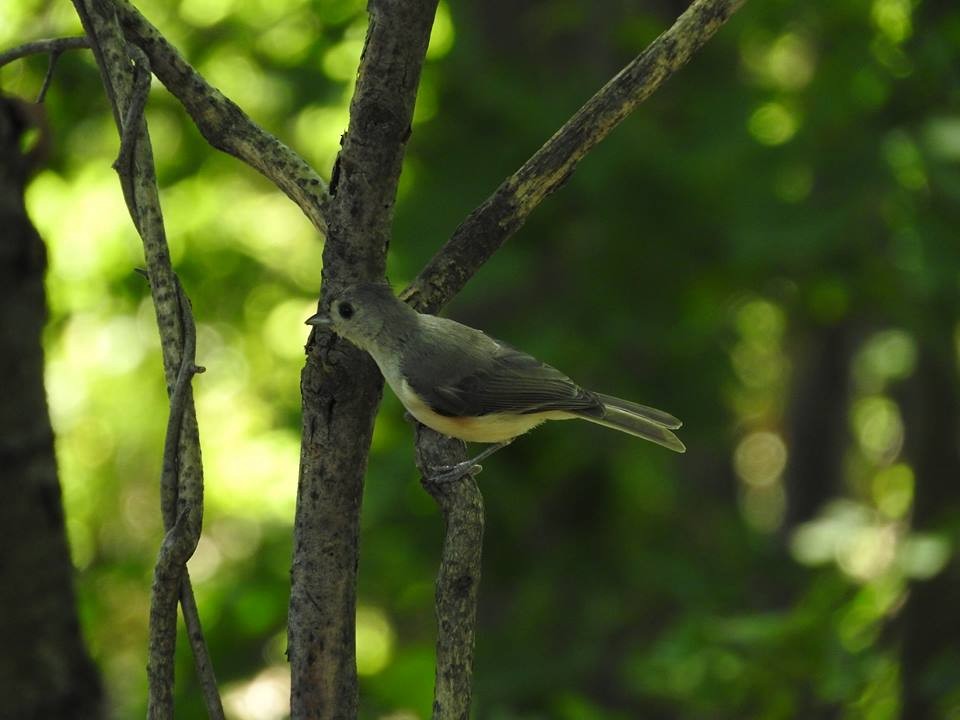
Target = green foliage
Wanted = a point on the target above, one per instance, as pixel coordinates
(801, 174)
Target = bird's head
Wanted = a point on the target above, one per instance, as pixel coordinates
(359, 313)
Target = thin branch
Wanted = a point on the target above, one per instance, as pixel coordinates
(138, 101)
(169, 486)
(458, 582)
(177, 547)
(504, 212)
(171, 580)
(224, 125)
(54, 46)
(126, 85)
(48, 76)
(201, 654)
(131, 128)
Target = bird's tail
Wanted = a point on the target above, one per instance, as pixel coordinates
(638, 420)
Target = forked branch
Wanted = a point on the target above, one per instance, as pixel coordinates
(224, 125)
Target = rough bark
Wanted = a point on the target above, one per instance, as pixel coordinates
(45, 671)
(341, 386)
(458, 582)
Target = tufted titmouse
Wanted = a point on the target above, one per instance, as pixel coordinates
(463, 383)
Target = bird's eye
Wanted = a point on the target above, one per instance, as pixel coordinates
(345, 310)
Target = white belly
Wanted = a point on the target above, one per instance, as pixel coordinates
(491, 428)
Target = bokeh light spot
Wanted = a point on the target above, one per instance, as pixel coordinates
(773, 124)
(887, 355)
(374, 640)
(893, 490)
(760, 458)
(923, 555)
(892, 18)
(265, 697)
(878, 428)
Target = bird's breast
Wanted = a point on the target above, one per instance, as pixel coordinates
(492, 428)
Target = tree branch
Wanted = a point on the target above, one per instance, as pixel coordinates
(458, 582)
(126, 85)
(224, 125)
(54, 46)
(340, 385)
(504, 212)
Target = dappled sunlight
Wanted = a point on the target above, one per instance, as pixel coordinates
(317, 129)
(885, 357)
(893, 18)
(245, 82)
(375, 640)
(867, 546)
(264, 697)
(341, 60)
(773, 123)
(206, 13)
(442, 35)
(760, 458)
(786, 62)
(277, 329)
(892, 490)
(878, 427)
(759, 461)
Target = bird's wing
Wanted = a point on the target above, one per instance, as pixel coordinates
(477, 375)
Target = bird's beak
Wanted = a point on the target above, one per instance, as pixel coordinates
(320, 320)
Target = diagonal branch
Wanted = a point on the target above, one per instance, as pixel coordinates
(504, 212)
(224, 125)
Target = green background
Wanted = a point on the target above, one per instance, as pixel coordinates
(793, 191)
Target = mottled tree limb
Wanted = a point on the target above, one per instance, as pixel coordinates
(183, 478)
(503, 213)
(458, 582)
(340, 385)
(224, 125)
(54, 46)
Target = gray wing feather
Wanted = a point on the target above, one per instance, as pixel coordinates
(468, 374)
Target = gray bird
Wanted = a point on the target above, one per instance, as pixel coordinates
(463, 383)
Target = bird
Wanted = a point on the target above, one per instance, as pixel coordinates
(463, 383)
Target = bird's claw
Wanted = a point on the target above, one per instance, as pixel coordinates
(448, 473)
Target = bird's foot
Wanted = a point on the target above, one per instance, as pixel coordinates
(448, 473)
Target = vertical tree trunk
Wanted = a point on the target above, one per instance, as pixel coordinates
(931, 621)
(45, 671)
(816, 423)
